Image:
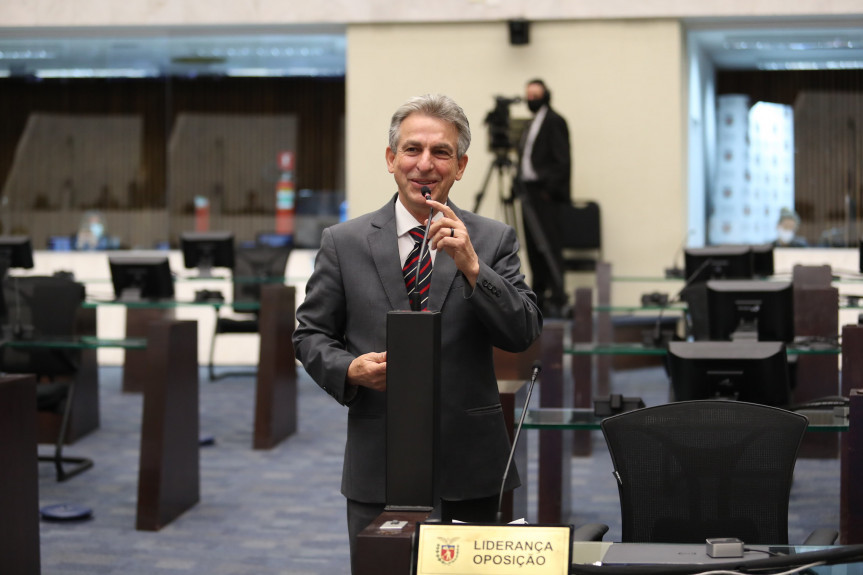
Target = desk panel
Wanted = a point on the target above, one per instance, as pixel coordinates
(276, 390)
(19, 480)
(169, 467)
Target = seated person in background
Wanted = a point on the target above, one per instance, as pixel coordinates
(786, 230)
(91, 232)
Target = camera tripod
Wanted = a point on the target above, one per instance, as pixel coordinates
(503, 167)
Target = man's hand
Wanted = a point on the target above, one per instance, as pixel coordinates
(369, 370)
(450, 234)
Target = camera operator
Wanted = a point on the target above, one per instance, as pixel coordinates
(544, 170)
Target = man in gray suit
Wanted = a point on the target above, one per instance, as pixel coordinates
(477, 286)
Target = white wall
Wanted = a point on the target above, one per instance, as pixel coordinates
(619, 84)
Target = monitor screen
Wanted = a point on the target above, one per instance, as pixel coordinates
(756, 372)
(750, 309)
(15, 252)
(274, 240)
(207, 250)
(137, 278)
(61, 243)
(718, 262)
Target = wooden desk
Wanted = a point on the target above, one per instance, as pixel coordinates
(275, 416)
(379, 551)
(168, 481)
(588, 555)
(138, 319)
(512, 393)
(851, 447)
(169, 460)
(84, 413)
(276, 390)
(19, 480)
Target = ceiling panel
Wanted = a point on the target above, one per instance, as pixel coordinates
(303, 52)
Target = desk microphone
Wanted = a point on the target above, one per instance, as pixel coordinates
(537, 367)
(416, 296)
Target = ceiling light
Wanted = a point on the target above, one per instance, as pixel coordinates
(811, 65)
(96, 73)
(255, 72)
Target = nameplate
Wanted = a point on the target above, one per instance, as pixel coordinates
(473, 549)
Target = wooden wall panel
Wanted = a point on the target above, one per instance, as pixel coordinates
(317, 103)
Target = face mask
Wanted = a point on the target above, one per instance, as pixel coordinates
(97, 229)
(535, 105)
(784, 235)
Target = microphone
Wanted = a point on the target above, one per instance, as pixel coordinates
(537, 367)
(657, 331)
(416, 295)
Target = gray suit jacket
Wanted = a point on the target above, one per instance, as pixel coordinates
(358, 279)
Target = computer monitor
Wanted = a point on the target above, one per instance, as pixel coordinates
(15, 252)
(718, 262)
(756, 371)
(762, 260)
(137, 278)
(274, 240)
(61, 243)
(207, 250)
(750, 310)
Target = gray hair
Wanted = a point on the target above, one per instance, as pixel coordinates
(435, 106)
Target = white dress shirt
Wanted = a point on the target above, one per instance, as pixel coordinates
(528, 174)
(405, 222)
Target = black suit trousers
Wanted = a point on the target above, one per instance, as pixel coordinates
(544, 247)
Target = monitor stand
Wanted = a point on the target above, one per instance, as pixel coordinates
(747, 329)
(130, 295)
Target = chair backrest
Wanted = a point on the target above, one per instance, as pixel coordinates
(580, 234)
(691, 470)
(40, 307)
(820, 276)
(255, 266)
(580, 225)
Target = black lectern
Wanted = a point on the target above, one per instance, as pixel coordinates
(413, 392)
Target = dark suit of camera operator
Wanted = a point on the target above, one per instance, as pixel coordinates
(544, 171)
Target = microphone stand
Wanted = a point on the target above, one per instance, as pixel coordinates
(498, 518)
(657, 332)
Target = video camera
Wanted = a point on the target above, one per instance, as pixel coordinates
(498, 125)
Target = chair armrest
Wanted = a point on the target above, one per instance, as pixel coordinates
(589, 532)
(822, 536)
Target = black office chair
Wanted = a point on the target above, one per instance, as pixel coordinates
(691, 470)
(40, 308)
(253, 267)
(580, 232)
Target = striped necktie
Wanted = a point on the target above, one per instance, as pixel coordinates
(409, 271)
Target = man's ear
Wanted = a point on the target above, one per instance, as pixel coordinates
(462, 164)
(391, 157)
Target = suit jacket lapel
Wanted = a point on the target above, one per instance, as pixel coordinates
(383, 245)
